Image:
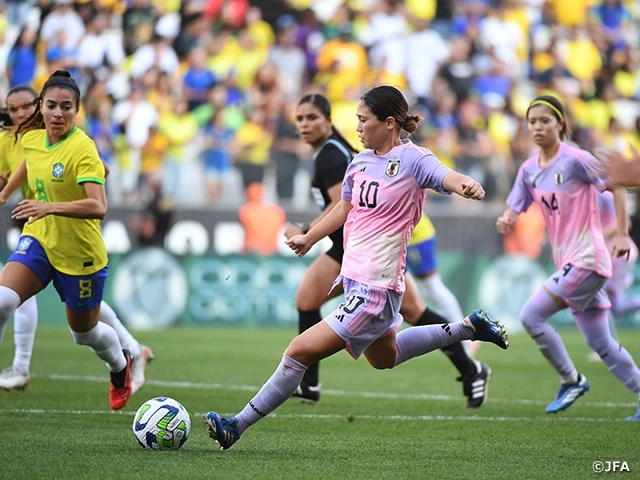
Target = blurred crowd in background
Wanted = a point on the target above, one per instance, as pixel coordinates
(192, 101)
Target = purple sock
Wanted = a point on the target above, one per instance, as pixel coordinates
(415, 341)
(534, 317)
(274, 393)
(595, 328)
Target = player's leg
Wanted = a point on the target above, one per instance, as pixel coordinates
(390, 349)
(311, 346)
(594, 325)
(25, 322)
(82, 296)
(141, 354)
(473, 374)
(311, 295)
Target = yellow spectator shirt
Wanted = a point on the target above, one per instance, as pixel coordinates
(11, 156)
(74, 246)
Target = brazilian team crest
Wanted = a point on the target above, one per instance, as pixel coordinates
(24, 245)
(559, 178)
(58, 170)
(393, 168)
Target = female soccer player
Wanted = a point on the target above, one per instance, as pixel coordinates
(382, 196)
(21, 104)
(333, 153)
(61, 241)
(563, 181)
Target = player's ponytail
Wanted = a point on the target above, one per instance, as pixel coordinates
(59, 79)
(322, 103)
(386, 101)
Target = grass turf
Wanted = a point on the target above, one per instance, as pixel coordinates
(406, 423)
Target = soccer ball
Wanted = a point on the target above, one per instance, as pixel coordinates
(162, 423)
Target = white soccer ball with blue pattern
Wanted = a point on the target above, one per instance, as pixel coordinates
(162, 423)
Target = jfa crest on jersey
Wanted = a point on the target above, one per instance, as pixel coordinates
(393, 167)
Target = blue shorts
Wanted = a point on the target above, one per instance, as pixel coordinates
(421, 257)
(80, 293)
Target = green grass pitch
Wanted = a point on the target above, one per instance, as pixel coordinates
(405, 423)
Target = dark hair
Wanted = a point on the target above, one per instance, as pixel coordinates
(321, 102)
(386, 101)
(556, 107)
(59, 79)
(5, 119)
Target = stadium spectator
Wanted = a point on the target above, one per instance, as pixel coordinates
(262, 221)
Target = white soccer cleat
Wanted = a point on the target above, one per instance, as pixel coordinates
(11, 378)
(138, 367)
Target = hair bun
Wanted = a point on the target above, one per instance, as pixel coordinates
(62, 73)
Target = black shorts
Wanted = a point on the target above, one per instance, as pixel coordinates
(336, 252)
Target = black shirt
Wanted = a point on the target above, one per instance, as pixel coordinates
(331, 163)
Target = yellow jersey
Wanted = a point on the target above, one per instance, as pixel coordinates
(423, 231)
(11, 157)
(74, 246)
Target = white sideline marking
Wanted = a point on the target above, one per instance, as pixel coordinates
(412, 418)
(388, 395)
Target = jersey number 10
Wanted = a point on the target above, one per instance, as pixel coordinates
(370, 198)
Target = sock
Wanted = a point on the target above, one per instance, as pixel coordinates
(306, 320)
(534, 317)
(623, 304)
(414, 341)
(103, 341)
(9, 302)
(440, 298)
(595, 328)
(25, 322)
(612, 325)
(108, 316)
(454, 352)
(274, 393)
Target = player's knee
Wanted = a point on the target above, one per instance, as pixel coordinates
(9, 302)
(382, 364)
(531, 319)
(299, 352)
(307, 301)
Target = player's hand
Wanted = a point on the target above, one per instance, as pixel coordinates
(31, 209)
(292, 230)
(621, 247)
(472, 190)
(505, 224)
(300, 244)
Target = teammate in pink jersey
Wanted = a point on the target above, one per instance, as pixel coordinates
(563, 180)
(382, 196)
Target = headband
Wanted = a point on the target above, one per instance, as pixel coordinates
(550, 105)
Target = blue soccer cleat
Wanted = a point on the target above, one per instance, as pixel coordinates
(569, 393)
(222, 430)
(486, 329)
(636, 417)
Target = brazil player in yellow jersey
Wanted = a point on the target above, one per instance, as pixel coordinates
(421, 262)
(61, 241)
(21, 104)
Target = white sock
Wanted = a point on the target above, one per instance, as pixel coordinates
(9, 302)
(108, 316)
(571, 378)
(25, 322)
(103, 341)
(440, 298)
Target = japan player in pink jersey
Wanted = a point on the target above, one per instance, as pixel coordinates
(564, 181)
(382, 196)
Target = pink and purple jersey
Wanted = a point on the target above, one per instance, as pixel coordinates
(567, 192)
(387, 193)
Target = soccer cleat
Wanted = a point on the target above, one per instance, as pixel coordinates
(307, 393)
(11, 378)
(476, 387)
(138, 367)
(569, 393)
(636, 417)
(222, 430)
(486, 329)
(120, 386)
